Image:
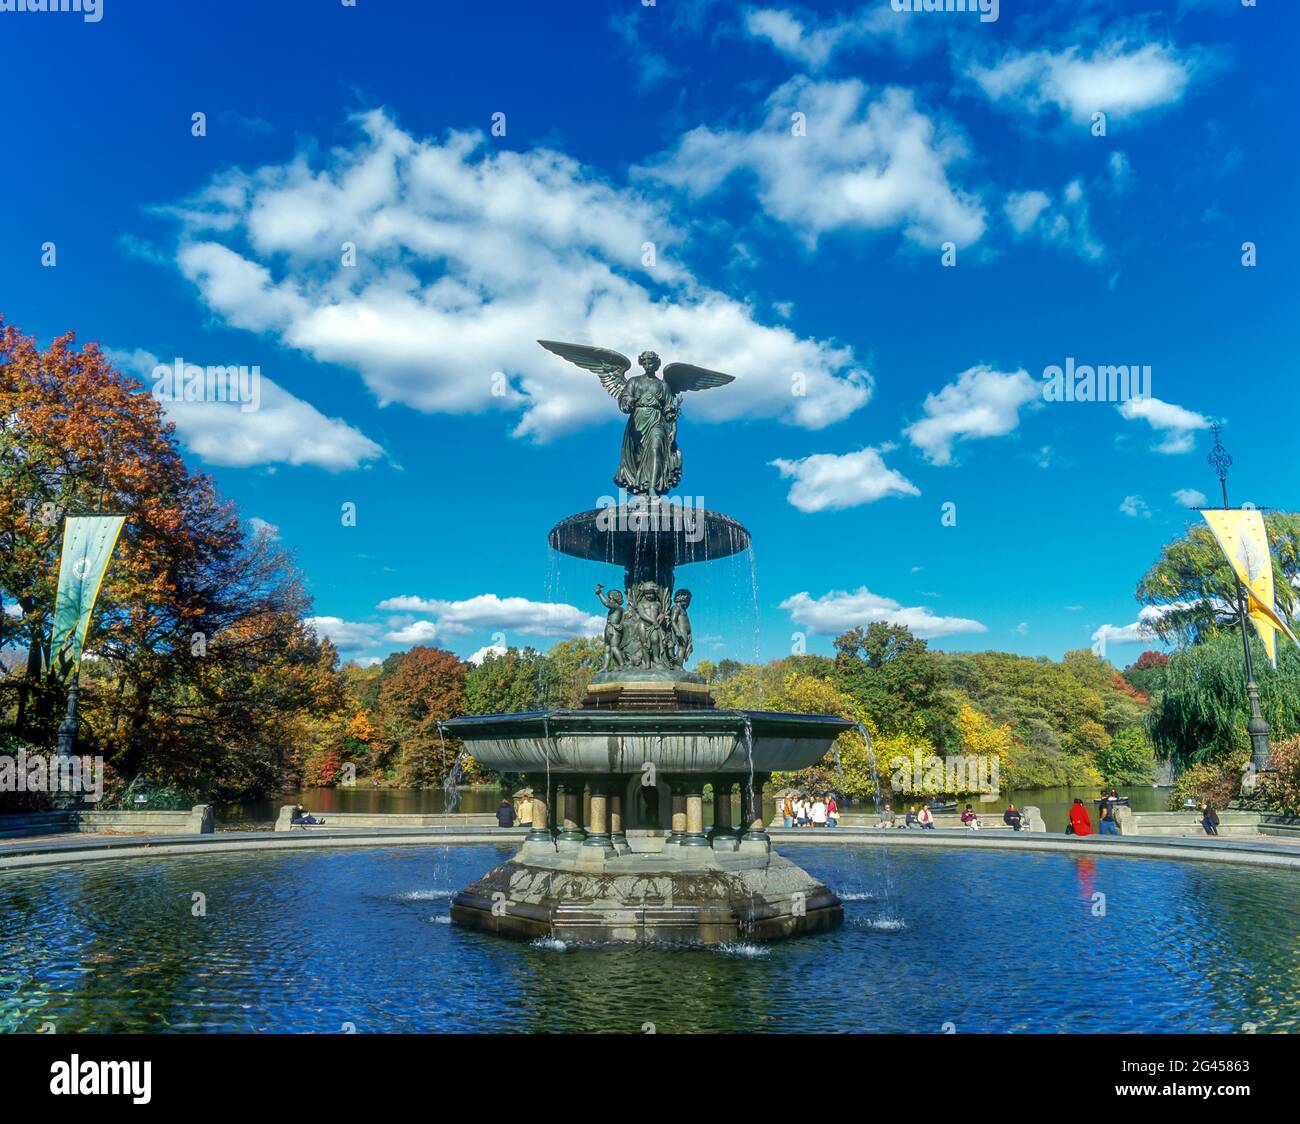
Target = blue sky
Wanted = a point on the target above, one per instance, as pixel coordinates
(798, 170)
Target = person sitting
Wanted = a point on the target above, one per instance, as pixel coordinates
(970, 819)
(1080, 822)
(525, 813)
(305, 818)
(818, 813)
(911, 820)
(1012, 818)
(886, 816)
(925, 818)
(1106, 824)
(802, 812)
(506, 814)
(1209, 819)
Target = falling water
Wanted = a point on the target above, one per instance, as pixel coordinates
(887, 920)
(450, 783)
(871, 754)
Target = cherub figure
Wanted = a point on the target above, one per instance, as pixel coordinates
(613, 601)
(679, 627)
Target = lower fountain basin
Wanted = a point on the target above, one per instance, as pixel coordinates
(675, 741)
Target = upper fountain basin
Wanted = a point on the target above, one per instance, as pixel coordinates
(676, 741)
(624, 533)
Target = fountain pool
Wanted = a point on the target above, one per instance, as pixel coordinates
(309, 941)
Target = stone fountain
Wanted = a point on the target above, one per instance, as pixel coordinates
(618, 850)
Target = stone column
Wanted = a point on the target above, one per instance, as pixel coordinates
(540, 833)
(721, 807)
(679, 811)
(694, 789)
(571, 823)
(598, 822)
(617, 836)
(751, 798)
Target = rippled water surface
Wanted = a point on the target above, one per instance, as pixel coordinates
(311, 941)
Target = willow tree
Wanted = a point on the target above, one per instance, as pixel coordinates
(1202, 714)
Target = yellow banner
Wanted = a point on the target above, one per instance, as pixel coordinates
(1244, 541)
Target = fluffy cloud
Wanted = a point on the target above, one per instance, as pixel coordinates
(863, 164)
(1117, 79)
(1175, 424)
(488, 611)
(281, 430)
(837, 611)
(1067, 223)
(830, 482)
(1189, 497)
(465, 255)
(345, 635)
(981, 403)
(1135, 506)
(1140, 631)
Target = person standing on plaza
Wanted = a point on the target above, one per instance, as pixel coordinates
(818, 813)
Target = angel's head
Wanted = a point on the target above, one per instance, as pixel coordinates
(649, 362)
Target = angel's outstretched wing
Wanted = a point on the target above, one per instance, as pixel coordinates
(609, 365)
(682, 377)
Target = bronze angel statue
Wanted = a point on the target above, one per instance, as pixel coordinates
(651, 463)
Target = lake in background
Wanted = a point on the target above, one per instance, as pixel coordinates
(250, 814)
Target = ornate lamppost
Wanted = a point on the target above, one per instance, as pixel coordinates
(1260, 750)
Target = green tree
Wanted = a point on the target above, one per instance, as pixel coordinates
(1202, 714)
(895, 678)
(1194, 588)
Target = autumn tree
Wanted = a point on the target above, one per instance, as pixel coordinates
(419, 689)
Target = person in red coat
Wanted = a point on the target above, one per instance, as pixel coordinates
(1080, 822)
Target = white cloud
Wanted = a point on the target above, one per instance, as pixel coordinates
(1117, 79)
(465, 255)
(281, 430)
(1140, 631)
(417, 632)
(831, 482)
(1135, 506)
(1175, 424)
(488, 611)
(837, 611)
(981, 403)
(489, 649)
(863, 164)
(1067, 223)
(812, 43)
(345, 635)
(262, 527)
(1189, 497)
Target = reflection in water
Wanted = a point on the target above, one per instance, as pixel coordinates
(307, 941)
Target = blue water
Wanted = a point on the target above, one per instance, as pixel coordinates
(317, 941)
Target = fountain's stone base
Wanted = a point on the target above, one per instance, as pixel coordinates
(647, 689)
(680, 895)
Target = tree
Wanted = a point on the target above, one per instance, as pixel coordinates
(1147, 673)
(425, 686)
(504, 683)
(1194, 589)
(1128, 758)
(894, 677)
(1202, 714)
(189, 606)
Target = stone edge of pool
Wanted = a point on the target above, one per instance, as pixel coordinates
(26, 854)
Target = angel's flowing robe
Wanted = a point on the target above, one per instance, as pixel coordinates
(651, 463)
